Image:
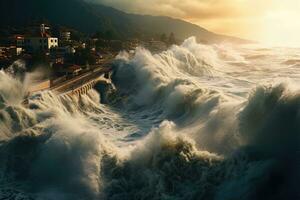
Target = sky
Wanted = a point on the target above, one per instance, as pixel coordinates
(272, 22)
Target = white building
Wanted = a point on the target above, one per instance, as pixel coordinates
(34, 44)
(41, 42)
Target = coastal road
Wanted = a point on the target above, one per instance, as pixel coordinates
(80, 80)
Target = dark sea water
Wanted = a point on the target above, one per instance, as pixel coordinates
(216, 122)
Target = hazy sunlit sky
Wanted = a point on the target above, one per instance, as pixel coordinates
(273, 22)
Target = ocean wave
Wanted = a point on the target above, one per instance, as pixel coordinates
(292, 62)
(203, 143)
(168, 81)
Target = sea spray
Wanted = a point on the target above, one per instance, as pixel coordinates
(182, 124)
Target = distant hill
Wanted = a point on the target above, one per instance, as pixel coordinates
(91, 18)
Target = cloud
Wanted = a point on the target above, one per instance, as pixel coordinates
(243, 18)
(212, 14)
(189, 9)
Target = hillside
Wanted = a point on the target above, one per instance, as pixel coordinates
(91, 18)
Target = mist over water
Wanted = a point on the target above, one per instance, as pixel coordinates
(192, 122)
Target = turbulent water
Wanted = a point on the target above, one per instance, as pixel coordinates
(193, 122)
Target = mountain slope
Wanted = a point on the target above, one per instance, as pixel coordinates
(130, 24)
(73, 13)
(91, 18)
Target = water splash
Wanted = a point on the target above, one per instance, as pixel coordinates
(183, 124)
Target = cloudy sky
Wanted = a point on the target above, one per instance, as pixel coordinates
(275, 22)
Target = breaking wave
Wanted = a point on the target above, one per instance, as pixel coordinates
(180, 125)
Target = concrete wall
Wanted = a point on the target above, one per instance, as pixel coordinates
(44, 85)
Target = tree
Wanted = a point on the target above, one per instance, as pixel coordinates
(110, 34)
(163, 38)
(172, 39)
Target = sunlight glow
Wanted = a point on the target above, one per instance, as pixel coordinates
(272, 22)
(281, 28)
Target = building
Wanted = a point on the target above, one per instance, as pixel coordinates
(54, 60)
(18, 41)
(10, 52)
(43, 29)
(65, 35)
(8, 55)
(60, 55)
(16, 44)
(62, 51)
(35, 44)
(42, 42)
(18, 50)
